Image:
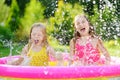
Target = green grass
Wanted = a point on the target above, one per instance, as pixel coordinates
(113, 48)
(5, 51)
(57, 46)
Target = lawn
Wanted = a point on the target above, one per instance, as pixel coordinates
(112, 47)
(5, 50)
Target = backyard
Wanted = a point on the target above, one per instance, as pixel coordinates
(102, 19)
(16, 18)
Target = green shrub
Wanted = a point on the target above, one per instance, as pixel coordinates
(62, 22)
(13, 20)
(5, 33)
(4, 11)
(33, 13)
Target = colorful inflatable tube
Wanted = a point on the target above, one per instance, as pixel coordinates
(55, 72)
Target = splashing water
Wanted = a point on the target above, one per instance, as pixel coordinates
(45, 72)
(10, 59)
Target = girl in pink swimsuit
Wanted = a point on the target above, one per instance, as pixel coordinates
(86, 46)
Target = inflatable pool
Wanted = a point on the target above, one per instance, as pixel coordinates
(60, 73)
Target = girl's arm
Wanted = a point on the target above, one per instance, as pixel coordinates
(103, 50)
(23, 53)
(50, 51)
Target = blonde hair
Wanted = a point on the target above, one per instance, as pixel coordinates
(43, 29)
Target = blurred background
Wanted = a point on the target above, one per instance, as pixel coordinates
(17, 16)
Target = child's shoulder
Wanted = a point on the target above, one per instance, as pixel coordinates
(96, 39)
(24, 50)
(25, 47)
(72, 39)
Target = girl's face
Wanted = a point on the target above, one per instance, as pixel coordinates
(82, 26)
(37, 35)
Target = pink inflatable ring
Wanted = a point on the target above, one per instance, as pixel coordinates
(55, 72)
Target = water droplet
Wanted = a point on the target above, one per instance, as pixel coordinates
(45, 72)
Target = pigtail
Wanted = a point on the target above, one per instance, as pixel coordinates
(73, 42)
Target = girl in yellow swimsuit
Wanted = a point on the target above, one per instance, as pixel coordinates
(37, 48)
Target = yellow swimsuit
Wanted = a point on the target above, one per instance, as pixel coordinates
(38, 58)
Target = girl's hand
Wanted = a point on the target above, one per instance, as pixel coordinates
(107, 62)
(17, 62)
(12, 62)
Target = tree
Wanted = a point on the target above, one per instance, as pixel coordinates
(50, 7)
(13, 20)
(106, 22)
(21, 5)
(4, 9)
